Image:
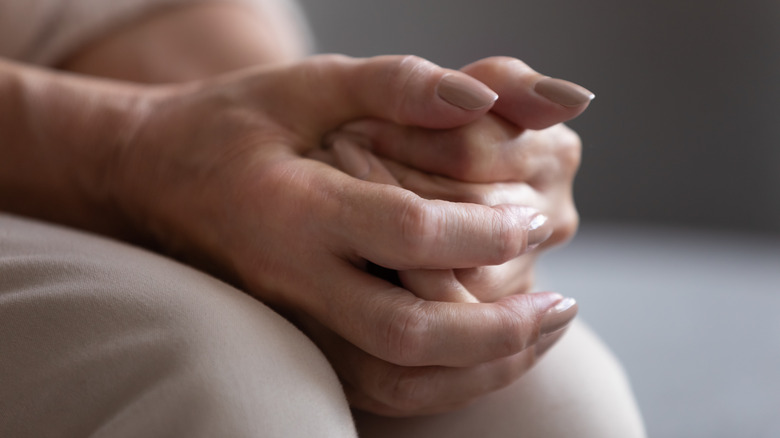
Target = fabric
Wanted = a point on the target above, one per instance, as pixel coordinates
(101, 339)
(43, 32)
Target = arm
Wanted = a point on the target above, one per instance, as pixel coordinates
(193, 41)
(488, 283)
(59, 136)
(528, 100)
(189, 40)
(172, 163)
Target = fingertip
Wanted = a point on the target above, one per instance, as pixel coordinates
(528, 98)
(550, 311)
(436, 285)
(539, 230)
(558, 316)
(465, 92)
(526, 222)
(564, 93)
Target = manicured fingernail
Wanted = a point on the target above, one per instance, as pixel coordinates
(558, 317)
(539, 230)
(465, 92)
(563, 92)
(351, 158)
(547, 341)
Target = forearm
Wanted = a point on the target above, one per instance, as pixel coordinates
(58, 135)
(194, 41)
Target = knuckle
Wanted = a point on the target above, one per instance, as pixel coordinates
(317, 68)
(519, 323)
(401, 73)
(405, 336)
(461, 159)
(474, 152)
(524, 164)
(478, 195)
(420, 227)
(510, 237)
(568, 226)
(329, 59)
(410, 389)
(481, 279)
(491, 283)
(569, 149)
(499, 65)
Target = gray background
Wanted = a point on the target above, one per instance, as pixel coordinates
(677, 264)
(685, 128)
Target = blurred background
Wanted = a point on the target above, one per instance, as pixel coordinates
(677, 264)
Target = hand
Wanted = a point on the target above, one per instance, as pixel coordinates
(533, 168)
(216, 171)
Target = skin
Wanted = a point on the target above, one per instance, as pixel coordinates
(219, 172)
(494, 160)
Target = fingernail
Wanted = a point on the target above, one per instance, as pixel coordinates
(539, 230)
(563, 92)
(547, 341)
(558, 317)
(351, 158)
(465, 92)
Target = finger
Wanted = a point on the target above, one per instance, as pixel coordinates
(555, 200)
(399, 230)
(487, 150)
(392, 324)
(528, 98)
(431, 390)
(428, 284)
(476, 149)
(438, 187)
(382, 387)
(436, 285)
(354, 159)
(557, 204)
(491, 283)
(326, 91)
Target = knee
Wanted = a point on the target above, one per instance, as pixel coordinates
(582, 381)
(132, 344)
(234, 366)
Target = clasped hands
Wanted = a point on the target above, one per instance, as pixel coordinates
(290, 180)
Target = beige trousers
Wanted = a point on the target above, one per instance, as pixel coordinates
(101, 339)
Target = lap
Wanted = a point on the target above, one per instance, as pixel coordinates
(98, 338)
(102, 339)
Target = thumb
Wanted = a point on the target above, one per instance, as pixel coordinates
(325, 91)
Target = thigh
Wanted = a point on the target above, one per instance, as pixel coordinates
(98, 338)
(577, 390)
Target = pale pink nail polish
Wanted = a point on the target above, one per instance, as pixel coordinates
(559, 316)
(563, 92)
(465, 92)
(539, 230)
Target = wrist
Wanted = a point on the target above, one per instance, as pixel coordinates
(63, 134)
